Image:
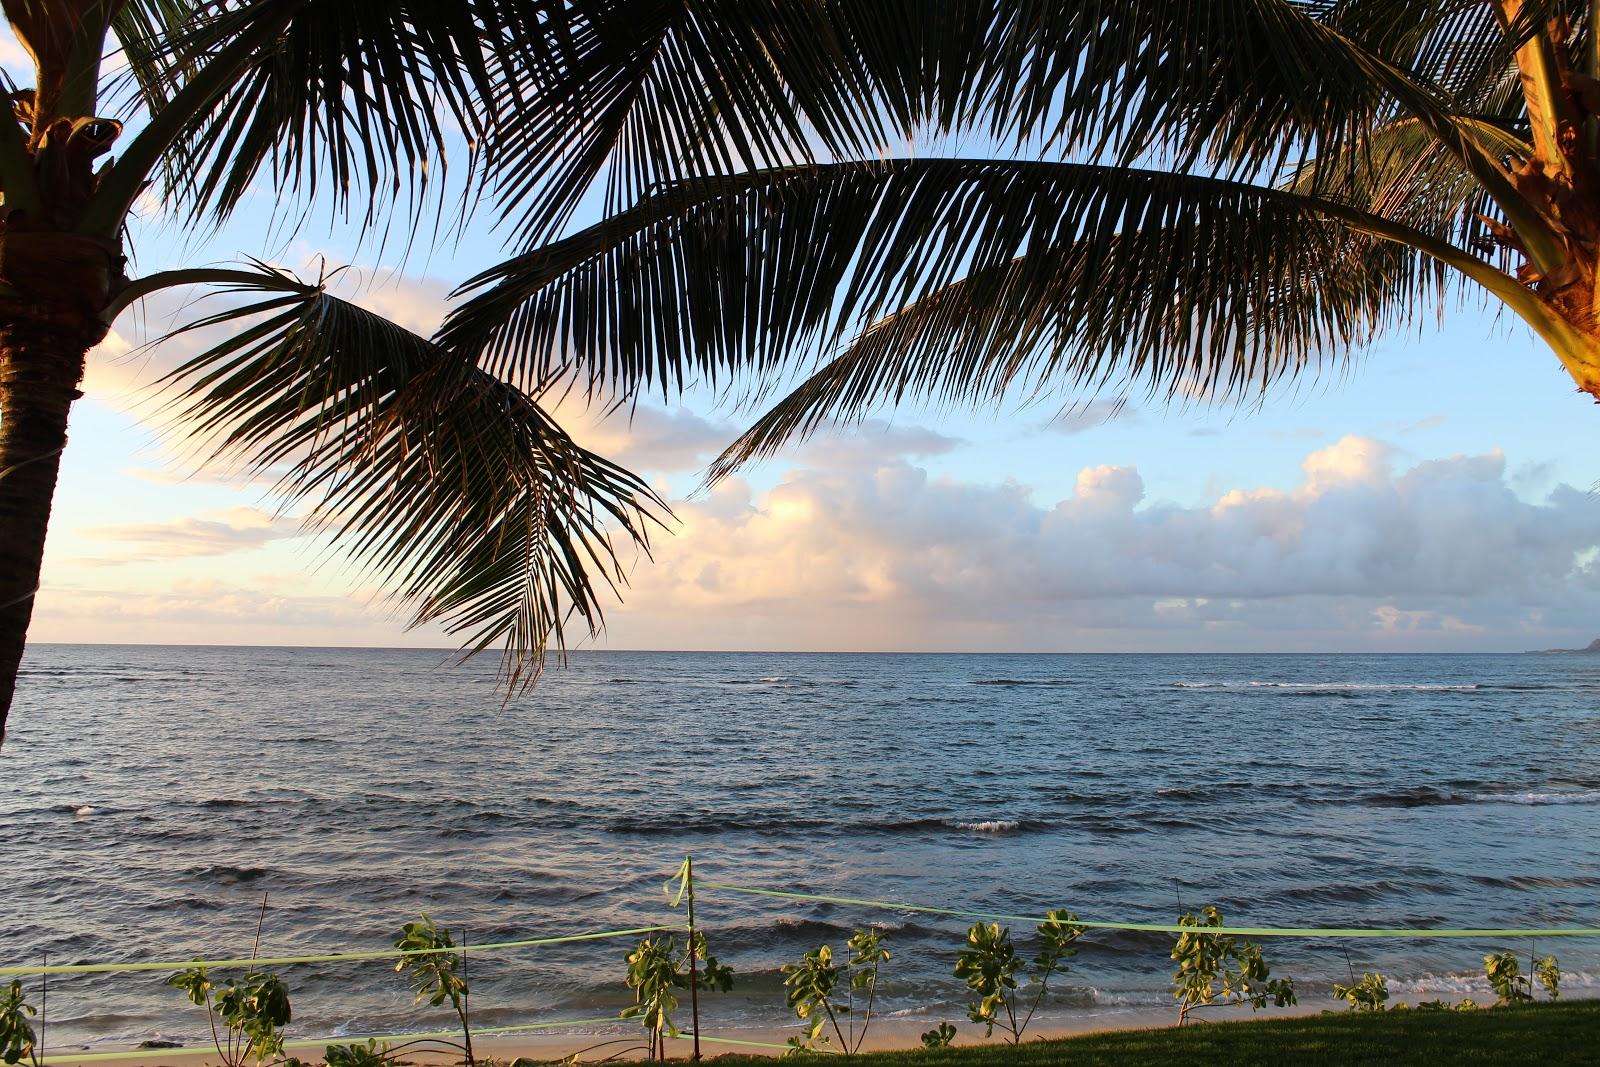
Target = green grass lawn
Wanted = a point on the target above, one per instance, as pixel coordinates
(1536, 1034)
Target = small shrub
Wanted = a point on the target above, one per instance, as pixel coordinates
(433, 967)
(1205, 959)
(656, 968)
(370, 1054)
(939, 1038)
(1510, 985)
(810, 990)
(1369, 994)
(18, 1042)
(990, 966)
(1547, 972)
(253, 1012)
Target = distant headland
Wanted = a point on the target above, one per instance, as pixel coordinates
(1592, 648)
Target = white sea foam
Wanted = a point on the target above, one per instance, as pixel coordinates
(990, 826)
(1591, 796)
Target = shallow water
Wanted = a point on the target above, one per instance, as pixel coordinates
(151, 796)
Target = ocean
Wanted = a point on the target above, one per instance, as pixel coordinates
(151, 797)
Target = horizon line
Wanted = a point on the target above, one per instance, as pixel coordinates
(783, 651)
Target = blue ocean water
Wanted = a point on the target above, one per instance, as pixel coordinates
(151, 796)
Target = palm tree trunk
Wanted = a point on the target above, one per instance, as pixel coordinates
(40, 367)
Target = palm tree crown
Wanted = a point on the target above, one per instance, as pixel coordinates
(1189, 198)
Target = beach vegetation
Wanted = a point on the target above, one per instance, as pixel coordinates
(812, 989)
(252, 1013)
(1371, 993)
(368, 1053)
(991, 965)
(941, 1036)
(657, 968)
(1511, 986)
(1216, 969)
(1547, 972)
(1505, 976)
(18, 1042)
(434, 966)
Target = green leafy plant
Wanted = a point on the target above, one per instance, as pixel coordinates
(657, 967)
(1369, 994)
(811, 986)
(253, 1013)
(355, 1054)
(434, 967)
(940, 1037)
(1219, 969)
(1547, 972)
(1505, 976)
(990, 966)
(18, 1042)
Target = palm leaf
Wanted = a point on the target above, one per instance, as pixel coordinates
(456, 491)
(759, 271)
(358, 101)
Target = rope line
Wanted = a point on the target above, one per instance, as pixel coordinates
(322, 1042)
(1161, 928)
(278, 961)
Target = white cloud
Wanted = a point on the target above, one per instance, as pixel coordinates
(233, 530)
(1357, 554)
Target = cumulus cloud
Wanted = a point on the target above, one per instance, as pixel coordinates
(1358, 552)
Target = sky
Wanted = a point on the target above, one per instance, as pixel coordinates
(1435, 493)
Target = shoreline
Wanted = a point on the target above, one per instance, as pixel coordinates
(886, 1034)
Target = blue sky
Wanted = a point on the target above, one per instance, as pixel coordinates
(1434, 494)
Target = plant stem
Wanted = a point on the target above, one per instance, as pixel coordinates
(827, 1007)
(694, 978)
(872, 991)
(1044, 983)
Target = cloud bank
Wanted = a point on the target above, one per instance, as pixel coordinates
(1359, 554)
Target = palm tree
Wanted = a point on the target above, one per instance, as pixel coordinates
(441, 474)
(1193, 198)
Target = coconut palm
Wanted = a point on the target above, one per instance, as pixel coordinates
(443, 475)
(1188, 198)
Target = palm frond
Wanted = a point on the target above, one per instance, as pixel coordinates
(1210, 291)
(455, 490)
(757, 272)
(637, 94)
(1403, 173)
(354, 100)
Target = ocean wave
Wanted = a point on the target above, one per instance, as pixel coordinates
(1420, 796)
(1423, 796)
(226, 874)
(1337, 687)
(785, 825)
(1045, 683)
(1537, 799)
(991, 826)
(1468, 983)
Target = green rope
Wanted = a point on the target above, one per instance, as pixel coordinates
(322, 1042)
(279, 961)
(1161, 928)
